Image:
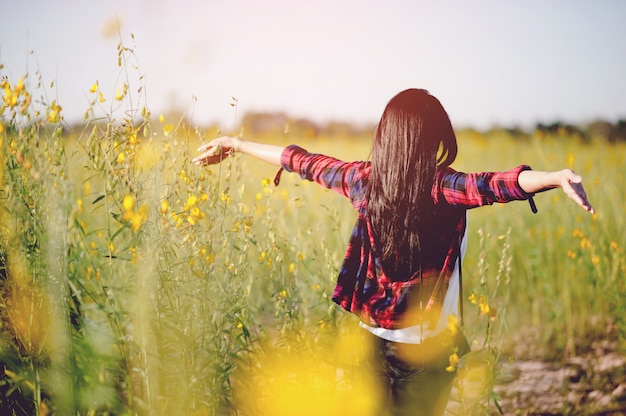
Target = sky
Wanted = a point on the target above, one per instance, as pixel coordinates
(490, 62)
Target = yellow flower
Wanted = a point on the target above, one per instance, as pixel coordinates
(133, 255)
(472, 298)
(136, 218)
(570, 161)
(53, 116)
(128, 203)
(483, 305)
(183, 176)
(94, 87)
(101, 97)
(54, 113)
(120, 158)
(195, 215)
(161, 118)
(118, 95)
(191, 201)
(132, 138)
(164, 206)
(454, 361)
(9, 98)
(177, 219)
(452, 324)
(484, 308)
(19, 87)
(139, 218)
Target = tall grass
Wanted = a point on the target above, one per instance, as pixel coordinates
(565, 264)
(137, 283)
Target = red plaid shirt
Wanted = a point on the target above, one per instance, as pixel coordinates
(363, 287)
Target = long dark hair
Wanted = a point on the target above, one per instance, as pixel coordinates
(414, 137)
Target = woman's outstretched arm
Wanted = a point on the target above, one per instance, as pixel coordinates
(532, 181)
(218, 149)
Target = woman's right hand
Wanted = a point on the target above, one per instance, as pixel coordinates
(216, 150)
(572, 185)
(532, 181)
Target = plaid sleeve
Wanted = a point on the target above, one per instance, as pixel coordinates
(472, 190)
(326, 171)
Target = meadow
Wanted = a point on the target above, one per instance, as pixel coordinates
(134, 282)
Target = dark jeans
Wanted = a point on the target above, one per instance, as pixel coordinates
(410, 384)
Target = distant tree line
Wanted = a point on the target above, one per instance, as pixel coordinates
(278, 122)
(599, 129)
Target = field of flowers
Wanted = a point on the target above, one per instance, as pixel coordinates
(134, 282)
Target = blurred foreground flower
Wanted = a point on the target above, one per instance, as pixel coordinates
(136, 218)
(54, 112)
(299, 382)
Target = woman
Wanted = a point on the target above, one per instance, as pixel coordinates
(401, 269)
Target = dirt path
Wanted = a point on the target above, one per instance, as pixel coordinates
(581, 386)
(593, 383)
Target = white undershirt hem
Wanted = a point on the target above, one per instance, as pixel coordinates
(414, 334)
